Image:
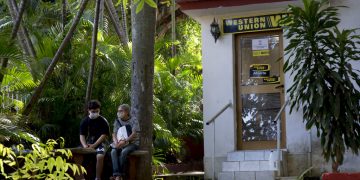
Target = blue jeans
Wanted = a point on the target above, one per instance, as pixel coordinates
(119, 158)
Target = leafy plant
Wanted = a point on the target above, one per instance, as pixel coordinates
(325, 84)
(42, 162)
(11, 130)
(177, 90)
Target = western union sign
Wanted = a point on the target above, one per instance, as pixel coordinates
(255, 23)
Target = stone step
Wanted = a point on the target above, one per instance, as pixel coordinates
(231, 166)
(247, 175)
(252, 155)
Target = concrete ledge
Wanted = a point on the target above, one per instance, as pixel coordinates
(184, 174)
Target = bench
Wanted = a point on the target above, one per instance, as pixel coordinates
(185, 175)
(78, 157)
(134, 157)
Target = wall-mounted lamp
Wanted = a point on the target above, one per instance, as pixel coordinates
(215, 30)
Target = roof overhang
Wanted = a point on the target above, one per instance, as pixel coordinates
(206, 4)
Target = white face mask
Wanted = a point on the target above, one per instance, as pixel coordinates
(119, 115)
(93, 115)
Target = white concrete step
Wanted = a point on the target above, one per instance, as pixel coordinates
(231, 166)
(252, 155)
(247, 175)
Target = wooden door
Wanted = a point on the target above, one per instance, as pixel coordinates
(259, 89)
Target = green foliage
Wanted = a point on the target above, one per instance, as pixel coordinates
(177, 89)
(12, 130)
(178, 94)
(139, 4)
(42, 162)
(325, 85)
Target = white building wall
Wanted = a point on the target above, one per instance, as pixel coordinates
(218, 90)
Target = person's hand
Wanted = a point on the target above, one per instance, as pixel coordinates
(91, 146)
(86, 146)
(120, 144)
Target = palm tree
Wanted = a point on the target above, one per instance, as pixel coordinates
(93, 53)
(56, 58)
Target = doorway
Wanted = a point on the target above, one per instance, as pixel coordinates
(259, 89)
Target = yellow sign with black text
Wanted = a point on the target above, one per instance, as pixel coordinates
(272, 80)
(265, 52)
(251, 24)
(259, 70)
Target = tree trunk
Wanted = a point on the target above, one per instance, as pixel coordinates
(124, 20)
(143, 38)
(116, 22)
(14, 13)
(335, 167)
(14, 31)
(51, 67)
(23, 34)
(93, 53)
(63, 14)
(101, 16)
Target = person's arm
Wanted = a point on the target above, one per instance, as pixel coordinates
(83, 132)
(99, 141)
(135, 129)
(114, 138)
(83, 141)
(132, 136)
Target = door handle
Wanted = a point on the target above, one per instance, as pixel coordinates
(280, 86)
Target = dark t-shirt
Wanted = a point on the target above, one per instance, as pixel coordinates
(94, 128)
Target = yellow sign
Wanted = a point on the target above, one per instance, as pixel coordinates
(260, 67)
(254, 23)
(261, 53)
(272, 80)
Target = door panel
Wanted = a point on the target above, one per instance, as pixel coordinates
(259, 89)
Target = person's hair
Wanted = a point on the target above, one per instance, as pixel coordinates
(125, 107)
(94, 104)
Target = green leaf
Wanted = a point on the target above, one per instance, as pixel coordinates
(140, 6)
(118, 2)
(1, 166)
(151, 3)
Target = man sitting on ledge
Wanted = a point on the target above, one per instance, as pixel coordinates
(125, 140)
(94, 129)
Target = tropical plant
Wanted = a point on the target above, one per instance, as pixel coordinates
(12, 131)
(177, 90)
(325, 84)
(43, 161)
